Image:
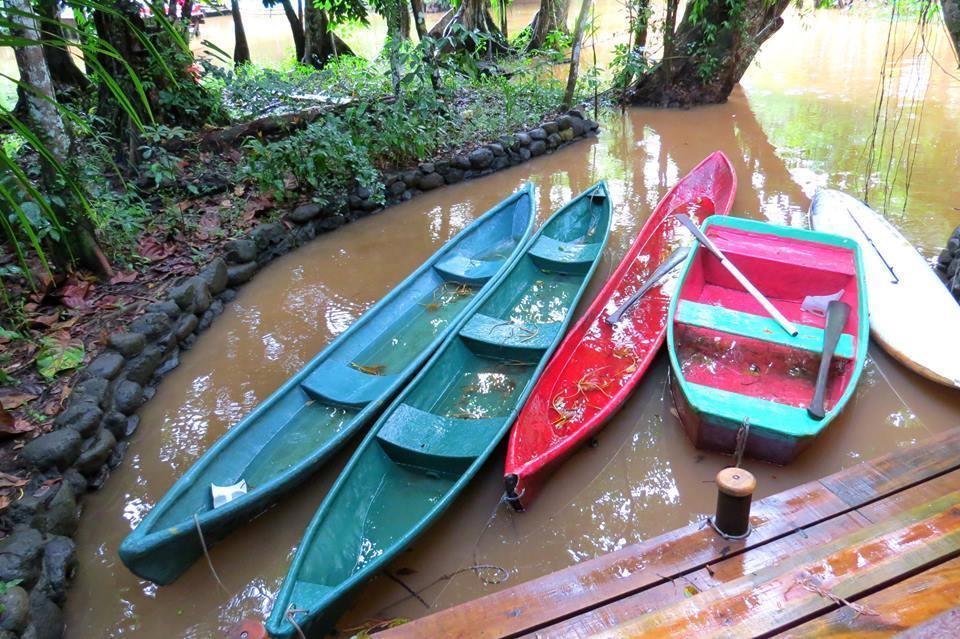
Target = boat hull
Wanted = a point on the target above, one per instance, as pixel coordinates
(294, 431)
(564, 410)
(433, 439)
(741, 383)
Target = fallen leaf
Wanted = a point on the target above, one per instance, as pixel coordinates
(45, 320)
(76, 294)
(13, 426)
(124, 277)
(14, 400)
(11, 481)
(153, 249)
(57, 355)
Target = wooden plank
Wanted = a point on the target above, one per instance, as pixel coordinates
(757, 559)
(590, 584)
(774, 599)
(925, 602)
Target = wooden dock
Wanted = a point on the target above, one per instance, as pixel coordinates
(872, 550)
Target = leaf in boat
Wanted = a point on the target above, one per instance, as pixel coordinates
(58, 355)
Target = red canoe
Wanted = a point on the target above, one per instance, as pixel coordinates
(597, 365)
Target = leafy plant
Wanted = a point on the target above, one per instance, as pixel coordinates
(56, 355)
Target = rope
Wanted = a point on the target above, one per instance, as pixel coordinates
(206, 553)
(807, 583)
(742, 434)
(291, 611)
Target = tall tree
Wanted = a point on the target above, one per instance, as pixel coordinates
(575, 54)
(76, 240)
(418, 20)
(708, 52)
(295, 26)
(474, 16)
(951, 17)
(320, 42)
(63, 70)
(551, 17)
(241, 52)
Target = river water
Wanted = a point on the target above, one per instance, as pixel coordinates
(801, 120)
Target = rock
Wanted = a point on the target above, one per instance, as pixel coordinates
(442, 166)
(106, 364)
(461, 162)
(267, 235)
(95, 480)
(304, 213)
(168, 365)
(592, 125)
(59, 565)
(410, 178)
(82, 417)
(96, 452)
(578, 126)
(497, 149)
(538, 147)
(397, 188)
(954, 268)
(537, 134)
(240, 251)
(500, 162)
(566, 134)
(133, 422)
(127, 396)
(141, 368)
(192, 295)
(215, 275)
(151, 325)
(427, 167)
(127, 344)
(228, 295)
(576, 113)
(430, 181)
(302, 234)
(216, 308)
(525, 154)
(363, 192)
(167, 307)
(6, 634)
(407, 195)
(185, 326)
(77, 481)
(564, 122)
(550, 127)
(453, 176)
(20, 556)
(15, 607)
(91, 391)
(120, 425)
(523, 139)
(955, 286)
(481, 158)
(355, 203)
(953, 245)
(944, 259)
(553, 140)
(119, 452)
(45, 617)
(241, 273)
(509, 142)
(59, 515)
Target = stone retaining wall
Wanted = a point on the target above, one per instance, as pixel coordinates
(91, 435)
(949, 263)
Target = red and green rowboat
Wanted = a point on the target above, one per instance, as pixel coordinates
(735, 372)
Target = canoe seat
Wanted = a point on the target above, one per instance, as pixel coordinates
(758, 327)
(563, 257)
(493, 337)
(448, 445)
(734, 407)
(464, 270)
(341, 384)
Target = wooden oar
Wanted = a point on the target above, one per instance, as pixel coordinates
(668, 265)
(786, 324)
(837, 314)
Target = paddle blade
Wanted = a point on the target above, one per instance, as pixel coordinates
(837, 315)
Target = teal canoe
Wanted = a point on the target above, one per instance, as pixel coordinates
(288, 436)
(435, 436)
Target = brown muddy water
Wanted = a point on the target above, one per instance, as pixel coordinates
(799, 122)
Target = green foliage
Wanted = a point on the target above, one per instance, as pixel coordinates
(55, 356)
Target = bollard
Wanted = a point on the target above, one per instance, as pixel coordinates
(735, 488)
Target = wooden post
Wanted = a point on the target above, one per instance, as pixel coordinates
(575, 55)
(735, 488)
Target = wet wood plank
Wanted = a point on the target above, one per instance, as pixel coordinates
(775, 599)
(590, 584)
(926, 603)
(762, 557)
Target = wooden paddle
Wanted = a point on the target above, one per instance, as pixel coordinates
(748, 286)
(837, 314)
(668, 265)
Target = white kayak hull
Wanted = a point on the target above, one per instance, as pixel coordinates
(912, 314)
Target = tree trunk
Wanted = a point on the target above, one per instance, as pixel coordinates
(701, 70)
(241, 52)
(551, 17)
(320, 43)
(669, 36)
(397, 17)
(575, 54)
(65, 73)
(186, 11)
(418, 20)
(641, 23)
(295, 26)
(951, 17)
(475, 17)
(77, 241)
(172, 10)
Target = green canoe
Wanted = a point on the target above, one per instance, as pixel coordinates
(290, 434)
(435, 436)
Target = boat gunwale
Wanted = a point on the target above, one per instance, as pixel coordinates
(281, 602)
(863, 327)
(602, 298)
(144, 536)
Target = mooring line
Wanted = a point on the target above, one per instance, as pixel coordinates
(206, 553)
